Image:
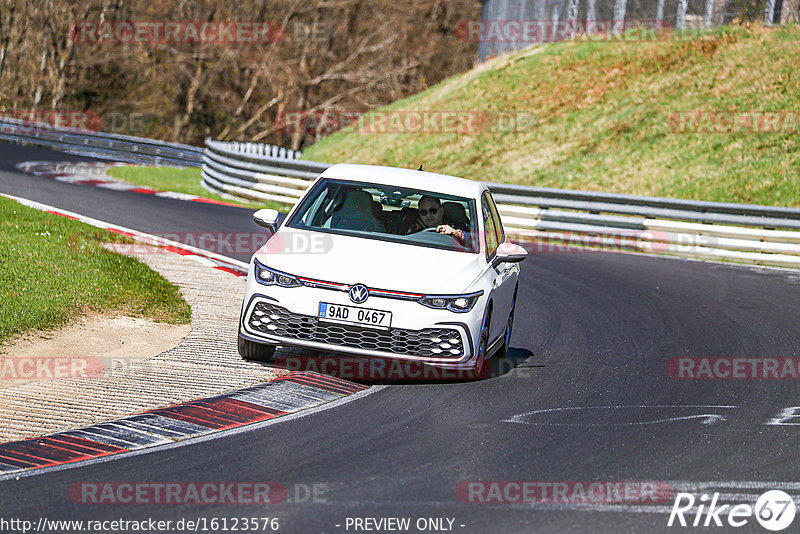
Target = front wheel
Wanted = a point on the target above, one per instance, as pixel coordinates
(480, 361)
(250, 350)
(503, 351)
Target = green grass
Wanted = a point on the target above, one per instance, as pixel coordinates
(54, 269)
(603, 119)
(180, 180)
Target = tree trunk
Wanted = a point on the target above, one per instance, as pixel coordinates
(5, 35)
(680, 23)
(591, 15)
(619, 16)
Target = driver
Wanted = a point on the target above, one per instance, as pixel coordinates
(431, 215)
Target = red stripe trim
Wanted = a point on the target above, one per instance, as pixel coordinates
(176, 250)
(212, 201)
(250, 407)
(25, 457)
(114, 230)
(91, 182)
(17, 463)
(321, 282)
(345, 383)
(198, 416)
(230, 271)
(62, 215)
(371, 289)
(89, 452)
(100, 447)
(40, 449)
(317, 385)
(145, 190)
(417, 295)
(238, 412)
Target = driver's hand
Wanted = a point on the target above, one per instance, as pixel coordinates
(446, 229)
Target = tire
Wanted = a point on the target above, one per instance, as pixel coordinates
(502, 352)
(481, 360)
(250, 350)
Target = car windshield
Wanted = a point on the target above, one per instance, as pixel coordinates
(389, 213)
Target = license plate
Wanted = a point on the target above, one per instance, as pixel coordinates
(338, 313)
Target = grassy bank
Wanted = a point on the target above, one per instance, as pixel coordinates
(180, 180)
(54, 269)
(616, 116)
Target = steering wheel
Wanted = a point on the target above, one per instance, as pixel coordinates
(433, 229)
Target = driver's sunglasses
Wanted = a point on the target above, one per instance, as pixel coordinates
(432, 211)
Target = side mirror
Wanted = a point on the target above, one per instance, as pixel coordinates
(267, 218)
(509, 252)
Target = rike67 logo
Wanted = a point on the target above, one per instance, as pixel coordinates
(774, 510)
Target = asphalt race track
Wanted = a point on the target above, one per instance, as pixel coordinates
(587, 398)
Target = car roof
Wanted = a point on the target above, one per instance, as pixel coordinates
(411, 178)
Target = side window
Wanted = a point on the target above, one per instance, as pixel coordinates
(498, 224)
(313, 216)
(489, 228)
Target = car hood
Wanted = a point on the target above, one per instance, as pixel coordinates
(377, 264)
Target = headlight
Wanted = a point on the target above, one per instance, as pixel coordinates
(271, 277)
(454, 303)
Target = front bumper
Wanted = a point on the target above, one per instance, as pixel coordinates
(438, 338)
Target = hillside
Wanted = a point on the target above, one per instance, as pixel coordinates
(680, 116)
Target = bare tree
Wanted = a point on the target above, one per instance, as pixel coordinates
(333, 57)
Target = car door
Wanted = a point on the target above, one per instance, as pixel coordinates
(503, 279)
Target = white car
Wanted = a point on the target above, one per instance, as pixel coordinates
(355, 270)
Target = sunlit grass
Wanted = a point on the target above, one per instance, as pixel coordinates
(54, 269)
(605, 119)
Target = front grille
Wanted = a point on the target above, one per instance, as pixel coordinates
(429, 342)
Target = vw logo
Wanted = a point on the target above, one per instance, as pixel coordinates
(359, 293)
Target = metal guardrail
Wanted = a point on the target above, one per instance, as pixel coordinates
(546, 219)
(558, 219)
(101, 145)
(271, 173)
